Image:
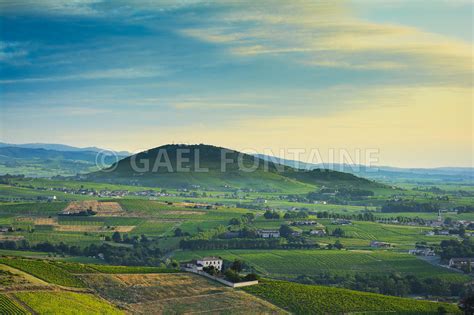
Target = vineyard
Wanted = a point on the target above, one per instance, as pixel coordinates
(44, 302)
(310, 299)
(44, 270)
(288, 264)
(128, 269)
(7, 306)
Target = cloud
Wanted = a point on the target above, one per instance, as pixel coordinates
(11, 52)
(113, 74)
(329, 35)
(90, 7)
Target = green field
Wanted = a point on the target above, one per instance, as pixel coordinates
(44, 270)
(310, 299)
(45, 302)
(289, 264)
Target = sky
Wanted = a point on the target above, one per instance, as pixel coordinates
(393, 76)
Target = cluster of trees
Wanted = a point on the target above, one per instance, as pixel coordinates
(237, 243)
(232, 272)
(339, 195)
(410, 206)
(456, 249)
(464, 209)
(388, 284)
(338, 232)
(126, 239)
(271, 214)
(244, 219)
(143, 254)
(296, 215)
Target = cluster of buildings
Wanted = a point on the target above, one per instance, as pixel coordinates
(200, 264)
(422, 252)
(461, 263)
(341, 222)
(266, 233)
(377, 244)
(304, 223)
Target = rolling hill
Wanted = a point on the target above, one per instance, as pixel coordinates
(181, 166)
(40, 162)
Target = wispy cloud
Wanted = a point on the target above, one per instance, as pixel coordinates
(330, 36)
(11, 52)
(106, 74)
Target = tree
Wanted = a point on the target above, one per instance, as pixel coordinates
(250, 216)
(251, 277)
(236, 265)
(116, 237)
(338, 245)
(338, 232)
(210, 270)
(232, 275)
(178, 232)
(234, 221)
(285, 230)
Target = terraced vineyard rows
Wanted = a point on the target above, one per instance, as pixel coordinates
(45, 271)
(310, 299)
(45, 302)
(7, 306)
(291, 263)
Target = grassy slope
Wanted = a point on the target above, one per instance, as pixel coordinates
(310, 299)
(44, 270)
(66, 303)
(263, 175)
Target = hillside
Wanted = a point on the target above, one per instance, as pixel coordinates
(312, 299)
(40, 162)
(52, 287)
(213, 167)
(388, 173)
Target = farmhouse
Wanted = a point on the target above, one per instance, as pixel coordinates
(461, 262)
(378, 244)
(268, 233)
(213, 261)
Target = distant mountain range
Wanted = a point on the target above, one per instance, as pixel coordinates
(207, 170)
(46, 160)
(57, 147)
(43, 162)
(389, 173)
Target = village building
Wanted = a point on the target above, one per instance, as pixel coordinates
(213, 261)
(318, 232)
(304, 223)
(378, 244)
(342, 222)
(268, 233)
(422, 252)
(460, 263)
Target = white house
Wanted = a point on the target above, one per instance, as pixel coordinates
(422, 252)
(213, 261)
(268, 233)
(461, 262)
(318, 232)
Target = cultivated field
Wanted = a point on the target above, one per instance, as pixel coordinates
(174, 293)
(310, 299)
